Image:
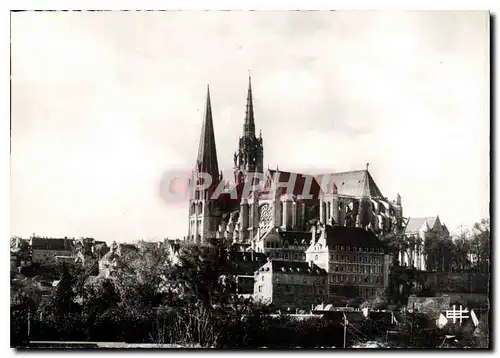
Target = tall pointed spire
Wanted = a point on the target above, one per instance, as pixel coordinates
(249, 156)
(207, 152)
(249, 126)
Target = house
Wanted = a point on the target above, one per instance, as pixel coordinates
(290, 284)
(279, 244)
(353, 258)
(45, 250)
(243, 265)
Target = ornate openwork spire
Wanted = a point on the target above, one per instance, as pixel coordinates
(249, 126)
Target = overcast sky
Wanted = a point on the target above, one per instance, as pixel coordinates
(104, 102)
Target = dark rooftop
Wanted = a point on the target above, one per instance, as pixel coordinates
(295, 267)
(352, 236)
(43, 243)
(295, 237)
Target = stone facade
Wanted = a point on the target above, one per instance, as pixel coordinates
(284, 245)
(294, 285)
(353, 258)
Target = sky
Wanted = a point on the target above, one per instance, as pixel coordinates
(103, 103)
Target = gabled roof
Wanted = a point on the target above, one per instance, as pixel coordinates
(352, 236)
(42, 243)
(358, 183)
(415, 224)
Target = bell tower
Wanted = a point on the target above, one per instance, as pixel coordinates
(204, 210)
(249, 157)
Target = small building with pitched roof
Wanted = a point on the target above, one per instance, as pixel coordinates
(290, 285)
(45, 250)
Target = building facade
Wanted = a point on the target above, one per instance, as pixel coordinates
(353, 258)
(290, 285)
(44, 251)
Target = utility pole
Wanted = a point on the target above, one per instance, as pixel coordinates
(29, 323)
(412, 322)
(345, 329)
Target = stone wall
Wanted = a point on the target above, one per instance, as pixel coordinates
(447, 282)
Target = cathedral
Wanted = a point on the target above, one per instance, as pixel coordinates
(287, 204)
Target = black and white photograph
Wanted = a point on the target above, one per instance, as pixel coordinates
(191, 179)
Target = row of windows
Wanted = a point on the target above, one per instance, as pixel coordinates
(356, 279)
(358, 258)
(304, 280)
(367, 292)
(356, 268)
(319, 247)
(287, 256)
(302, 289)
(272, 245)
(276, 245)
(358, 249)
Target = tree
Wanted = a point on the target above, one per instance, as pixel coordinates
(480, 246)
(460, 252)
(60, 313)
(406, 245)
(24, 300)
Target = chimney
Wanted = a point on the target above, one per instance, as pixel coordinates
(313, 233)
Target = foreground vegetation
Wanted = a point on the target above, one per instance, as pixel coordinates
(148, 299)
